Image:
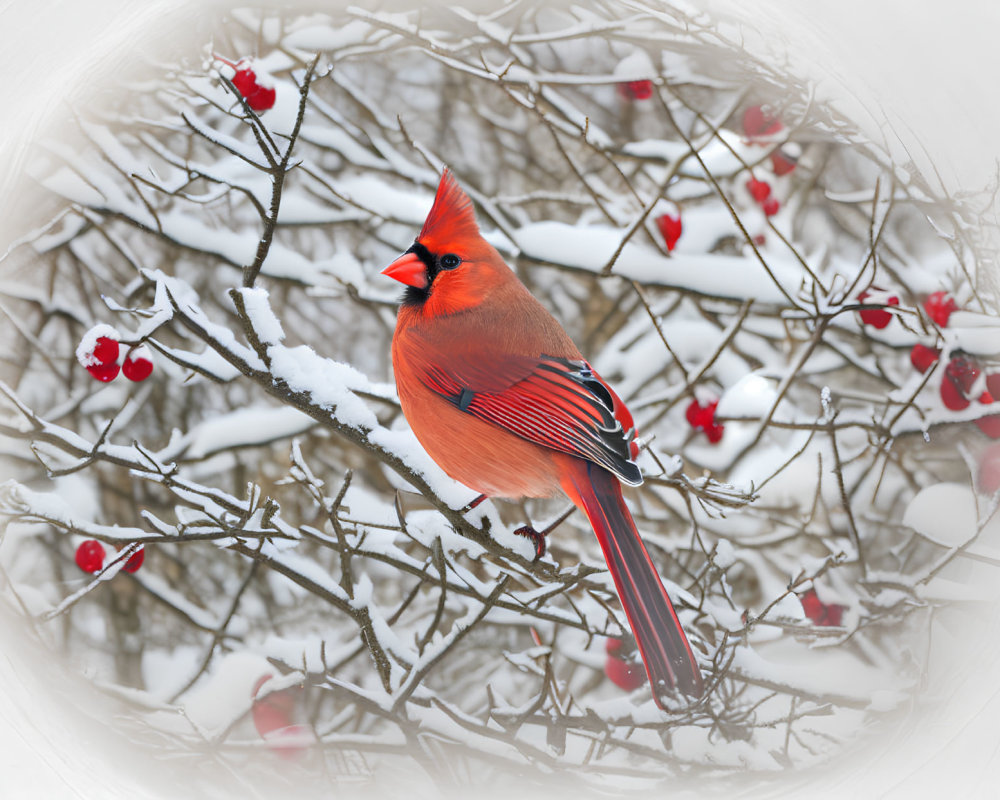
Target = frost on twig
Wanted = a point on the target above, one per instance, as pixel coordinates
(295, 536)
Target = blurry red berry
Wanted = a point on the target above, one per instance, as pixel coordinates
(273, 717)
(990, 425)
(135, 561)
(923, 357)
(670, 228)
(783, 162)
(959, 377)
(770, 206)
(760, 240)
(714, 433)
(138, 365)
(963, 372)
(820, 613)
(876, 317)
(623, 669)
(90, 556)
(952, 397)
(703, 418)
(759, 123)
(834, 615)
(759, 190)
(939, 306)
(636, 90)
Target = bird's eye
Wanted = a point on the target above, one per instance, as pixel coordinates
(450, 261)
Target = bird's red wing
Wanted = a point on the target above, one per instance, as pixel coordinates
(555, 402)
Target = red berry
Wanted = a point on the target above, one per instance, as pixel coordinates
(99, 356)
(824, 614)
(783, 162)
(811, 605)
(952, 397)
(104, 372)
(698, 416)
(273, 710)
(759, 190)
(703, 417)
(636, 90)
(623, 669)
(876, 317)
(90, 556)
(106, 350)
(135, 560)
(939, 306)
(962, 371)
(923, 358)
(670, 228)
(770, 206)
(759, 123)
(138, 365)
(760, 240)
(273, 717)
(258, 96)
(990, 425)
(833, 616)
(959, 377)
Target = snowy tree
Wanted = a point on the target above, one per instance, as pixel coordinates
(220, 509)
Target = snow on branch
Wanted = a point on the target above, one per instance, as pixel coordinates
(215, 479)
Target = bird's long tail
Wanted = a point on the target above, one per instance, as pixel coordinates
(664, 647)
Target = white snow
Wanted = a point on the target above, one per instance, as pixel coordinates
(326, 37)
(945, 513)
(258, 309)
(591, 248)
(85, 350)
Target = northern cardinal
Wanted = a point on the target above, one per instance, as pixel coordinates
(502, 400)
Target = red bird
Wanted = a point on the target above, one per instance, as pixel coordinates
(501, 399)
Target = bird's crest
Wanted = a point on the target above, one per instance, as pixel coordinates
(452, 217)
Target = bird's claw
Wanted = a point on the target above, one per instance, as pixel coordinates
(537, 539)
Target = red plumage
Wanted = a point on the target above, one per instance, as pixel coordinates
(502, 400)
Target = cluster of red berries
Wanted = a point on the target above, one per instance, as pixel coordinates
(252, 83)
(90, 557)
(761, 192)
(702, 418)
(623, 666)
(960, 383)
(823, 614)
(760, 125)
(99, 351)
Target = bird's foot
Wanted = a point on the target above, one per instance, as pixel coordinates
(537, 538)
(471, 505)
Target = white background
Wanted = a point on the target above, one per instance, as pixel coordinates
(917, 76)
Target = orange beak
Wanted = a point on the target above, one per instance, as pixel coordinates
(408, 269)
